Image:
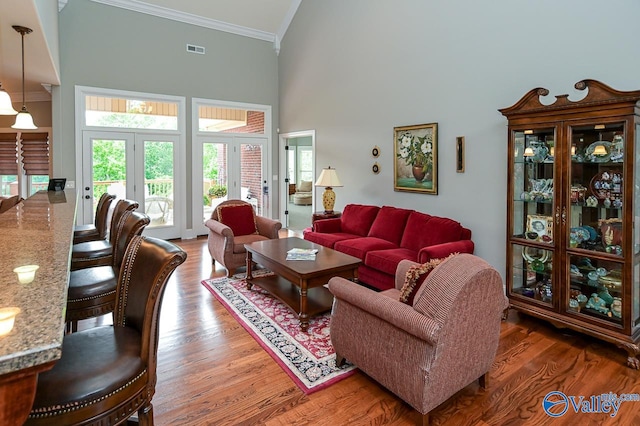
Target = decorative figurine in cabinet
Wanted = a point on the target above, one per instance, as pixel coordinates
(573, 212)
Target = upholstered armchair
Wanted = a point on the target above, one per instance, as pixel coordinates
(233, 224)
(425, 351)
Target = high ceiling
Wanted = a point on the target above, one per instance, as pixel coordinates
(262, 19)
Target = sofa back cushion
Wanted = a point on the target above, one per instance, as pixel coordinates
(389, 224)
(357, 218)
(423, 230)
(304, 186)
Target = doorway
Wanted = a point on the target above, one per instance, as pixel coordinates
(231, 146)
(298, 166)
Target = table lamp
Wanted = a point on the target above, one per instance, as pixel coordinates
(329, 179)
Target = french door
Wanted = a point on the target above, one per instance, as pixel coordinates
(135, 165)
(228, 167)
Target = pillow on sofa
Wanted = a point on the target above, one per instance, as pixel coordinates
(239, 217)
(415, 277)
(304, 186)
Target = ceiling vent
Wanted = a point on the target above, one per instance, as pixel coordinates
(195, 49)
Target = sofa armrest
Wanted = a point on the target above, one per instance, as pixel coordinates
(268, 227)
(439, 251)
(394, 312)
(219, 228)
(328, 226)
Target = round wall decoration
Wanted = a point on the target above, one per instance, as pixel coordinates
(375, 152)
(375, 168)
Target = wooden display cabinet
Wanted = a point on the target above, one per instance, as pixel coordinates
(573, 212)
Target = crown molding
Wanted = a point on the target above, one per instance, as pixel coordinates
(287, 20)
(188, 18)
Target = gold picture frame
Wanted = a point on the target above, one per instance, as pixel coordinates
(415, 150)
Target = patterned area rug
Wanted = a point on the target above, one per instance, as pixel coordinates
(307, 357)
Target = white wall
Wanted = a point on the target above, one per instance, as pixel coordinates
(352, 70)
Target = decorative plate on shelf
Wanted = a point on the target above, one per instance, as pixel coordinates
(607, 185)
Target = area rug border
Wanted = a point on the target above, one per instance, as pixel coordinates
(306, 386)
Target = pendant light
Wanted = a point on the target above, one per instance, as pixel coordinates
(24, 120)
(5, 103)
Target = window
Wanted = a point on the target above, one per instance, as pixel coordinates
(221, 119)
(24, 161)
(104, 111)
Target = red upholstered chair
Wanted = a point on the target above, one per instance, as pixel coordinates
(100, 252)
(98, 229)
(427, 350)
(108, 373)
(92, 291)
(232, 225)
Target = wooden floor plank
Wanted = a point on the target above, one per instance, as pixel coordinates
(212, 372)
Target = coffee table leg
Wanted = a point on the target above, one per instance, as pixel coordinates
(249, 270)
(303, 316)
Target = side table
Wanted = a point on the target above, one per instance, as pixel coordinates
(322, 215)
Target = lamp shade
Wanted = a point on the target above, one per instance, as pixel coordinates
(5, 103)
(24, 121)
(328, 178)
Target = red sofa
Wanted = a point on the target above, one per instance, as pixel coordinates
(383, 236)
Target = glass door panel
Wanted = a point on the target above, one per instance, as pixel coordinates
(214, 176)
(533, 189)
(596, 174)
(159, 172)
(532, 275)
(596, 288)
(105, 168)
(252, 183)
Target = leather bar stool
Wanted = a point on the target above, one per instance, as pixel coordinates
(107, 373)
(100, 252)
(98, 229)
(92, 291)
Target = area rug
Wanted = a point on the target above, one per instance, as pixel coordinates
(307, 357)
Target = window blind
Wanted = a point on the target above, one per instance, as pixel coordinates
(35, 153)
(8, 154)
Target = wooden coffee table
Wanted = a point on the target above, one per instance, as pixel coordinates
(299, 283)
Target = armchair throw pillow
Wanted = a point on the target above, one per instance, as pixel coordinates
(239, 217)
(415, 277)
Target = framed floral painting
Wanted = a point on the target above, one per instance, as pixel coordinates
(416, 158)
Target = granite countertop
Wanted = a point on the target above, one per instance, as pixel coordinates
(37, 231)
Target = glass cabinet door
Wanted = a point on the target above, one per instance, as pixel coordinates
(533, 185)
(595, 221)
(532, 230)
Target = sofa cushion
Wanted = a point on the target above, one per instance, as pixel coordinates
(424, 230)
(414, 278)
(389, 224)
(240, 218)
(387, 260)
(328, 239)
(357, 218)
(359, 247)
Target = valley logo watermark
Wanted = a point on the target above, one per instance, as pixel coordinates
(557, 403)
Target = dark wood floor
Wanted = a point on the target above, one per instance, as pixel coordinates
(211, 372)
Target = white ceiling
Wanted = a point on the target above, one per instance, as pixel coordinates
(262, 19)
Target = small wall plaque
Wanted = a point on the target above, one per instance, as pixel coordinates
(460, 154)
